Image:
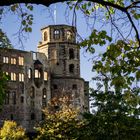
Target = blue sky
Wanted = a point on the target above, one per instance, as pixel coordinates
(10, 25)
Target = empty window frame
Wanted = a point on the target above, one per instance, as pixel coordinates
(32, 116)
(5, 59)
(71, 68)
(22, 99)
(34, 55)
(45, 36)
(55, 86)
(71, 53)
(21, 77)
(13, 61)
(21, 60)
(56, 34)
(14, 97)
(69, 35)
(37, 73)
(45, 76)
(13, 76)
(7, 98)
(74, 86)
(30, 73)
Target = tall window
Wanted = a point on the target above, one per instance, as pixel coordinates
(45, 76)
(21, 77)
(22, 99)
(30, 73)
(21, 60)
(45, 36)
(37, 73)
(56, 34)
(71, 68)
(13, 61)
(71, 54)
(13, 76)
(7, 98)
(5, 59)
(32, 92)
(32, 116)
(69, 35)
(14, 97)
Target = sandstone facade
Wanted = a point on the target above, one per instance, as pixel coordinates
(36, 77)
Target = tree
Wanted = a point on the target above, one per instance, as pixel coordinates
(117, 96)
(4, 41)
(3, 80)
(10, 131)
(61, 121)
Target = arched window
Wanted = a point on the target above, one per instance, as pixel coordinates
(21, 77)
(69, 35)
(56, 34)
(32, 92)
(45, 76)
(37, 73)
(45, 36)
(71, 68)
(71, 54)
(30, 73)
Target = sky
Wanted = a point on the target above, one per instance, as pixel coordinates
(43, 17)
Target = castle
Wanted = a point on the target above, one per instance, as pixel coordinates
(36, 77)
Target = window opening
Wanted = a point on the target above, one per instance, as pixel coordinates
(71, 68)
(74, 86)
(13, 76)
(13, 61)
(37, 73)
(45, 36)
(7, 98)
(45, 76)
(21, 61)
(69, 35)
(5, 59)
(32, 92)
(32, 116)
(21, 77)
(55, 86)
(56, 34)
(14, 97)
(22, 99)
(30, 73)
(71, 54)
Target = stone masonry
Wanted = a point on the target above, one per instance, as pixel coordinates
(36, 77)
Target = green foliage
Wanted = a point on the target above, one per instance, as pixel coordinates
(60, 123)
(10, 131)
(3, 80)
(25, 15)
(4, 41)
